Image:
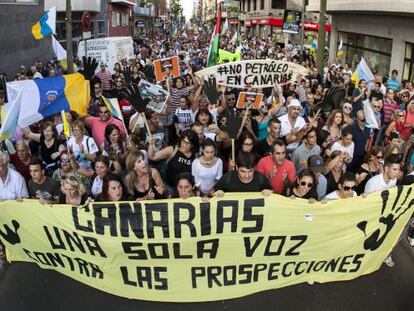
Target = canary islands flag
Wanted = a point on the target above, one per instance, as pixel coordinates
(46, 25)
(40, 98)
(362, 72)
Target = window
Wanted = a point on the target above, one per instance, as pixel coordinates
(254, 5)
(116, 19)
(248, 5)
(124, 19)
(375, 51)
(278, 4)
(408, 71)
(261, 4)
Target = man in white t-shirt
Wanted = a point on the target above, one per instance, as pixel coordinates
(385, 180)
(346, 186)
(388, 179)
(293, 126)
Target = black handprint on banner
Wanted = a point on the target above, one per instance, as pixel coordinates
(388, 218)
(11, 236)
(210, 88)
(132, 94)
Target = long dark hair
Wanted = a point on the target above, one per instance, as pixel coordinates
(105, 185)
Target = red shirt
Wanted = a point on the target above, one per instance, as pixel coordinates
(276, 173)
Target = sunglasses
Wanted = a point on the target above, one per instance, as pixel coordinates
(377, 107)
(379, 157)
(400, 115)
(71, 178)
(102, 112)
(304, 183)
(347, 188)
(65, 160)
(348, 108)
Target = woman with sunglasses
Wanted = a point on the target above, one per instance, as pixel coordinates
(398, 125)
(304, 186)
(346, 114)
(69, 167)
(73, 191)
(346, 188)
(373, 165)
(179, 157)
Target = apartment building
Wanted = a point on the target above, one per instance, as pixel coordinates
(378, 30)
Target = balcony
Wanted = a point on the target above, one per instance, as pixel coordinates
(395, 6)
(77, 5)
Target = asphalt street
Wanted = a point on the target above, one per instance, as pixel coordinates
(26, 287)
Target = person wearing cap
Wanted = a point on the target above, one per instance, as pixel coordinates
(316, 164)
(293, 126)
(308, 148)
(346, 186)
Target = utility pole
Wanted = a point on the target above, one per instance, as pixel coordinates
(69, 46)
(302, 32)
(321, 36)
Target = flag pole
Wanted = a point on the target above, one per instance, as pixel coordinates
(69, 46)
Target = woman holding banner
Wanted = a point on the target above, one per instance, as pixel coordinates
(304, 186)
(112, 189)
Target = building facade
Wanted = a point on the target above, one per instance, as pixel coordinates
(17, 44)
(378, 30)
(120, 13)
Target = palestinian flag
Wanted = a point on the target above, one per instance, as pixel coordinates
(214, 42)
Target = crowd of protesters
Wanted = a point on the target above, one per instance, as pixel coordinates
(287, 146)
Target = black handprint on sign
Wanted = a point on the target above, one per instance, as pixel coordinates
(11, 236)
(89, 67)
(132, 94)
(210, 88)
(375, 240)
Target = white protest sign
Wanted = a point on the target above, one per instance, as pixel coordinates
(156, 94)
(258, 73)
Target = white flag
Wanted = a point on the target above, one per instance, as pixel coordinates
(58, 49)
(225, 27)
(234, 39)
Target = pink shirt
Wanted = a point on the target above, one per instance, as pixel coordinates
(276, 173)
(98, 128)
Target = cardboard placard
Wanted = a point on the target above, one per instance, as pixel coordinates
(249, 99)
(166, 68)
(156, 94)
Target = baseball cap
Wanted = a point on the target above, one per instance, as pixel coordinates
(294, 103)
(315, 163)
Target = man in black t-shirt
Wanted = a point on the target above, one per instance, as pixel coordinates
(244, 178)
(42, 187)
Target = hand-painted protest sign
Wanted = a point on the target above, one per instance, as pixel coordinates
(253, 73)
(166, 68)
(156, 94)
(188, 250)
(249, 99)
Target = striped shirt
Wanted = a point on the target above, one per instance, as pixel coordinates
(105, 78)
(175, 95)
(388, 109)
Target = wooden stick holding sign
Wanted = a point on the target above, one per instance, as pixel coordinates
(132, 94)
(248, 100)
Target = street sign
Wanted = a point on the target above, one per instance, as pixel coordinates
(86, 35)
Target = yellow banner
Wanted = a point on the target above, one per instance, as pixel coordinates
(187, 251)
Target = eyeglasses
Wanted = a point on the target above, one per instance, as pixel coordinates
(347, 188)
(186, 142)
(304, 183)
